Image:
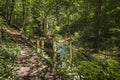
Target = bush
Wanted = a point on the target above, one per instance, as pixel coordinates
(111, 71)
(8, 55)
(89, 70)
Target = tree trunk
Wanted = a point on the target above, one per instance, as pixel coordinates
(11, 12)
(98, 25)
(5, 13)
(23, 13)
(57, 12)
(45, 25)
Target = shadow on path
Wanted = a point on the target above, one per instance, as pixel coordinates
(31, 67)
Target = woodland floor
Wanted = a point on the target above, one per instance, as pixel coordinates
(30, 66)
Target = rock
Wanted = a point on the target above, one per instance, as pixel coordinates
(23, 71)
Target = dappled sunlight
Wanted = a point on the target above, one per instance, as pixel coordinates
(30, 66)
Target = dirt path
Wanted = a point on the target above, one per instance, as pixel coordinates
(31, 67)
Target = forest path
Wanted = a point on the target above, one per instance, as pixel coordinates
(29, 65)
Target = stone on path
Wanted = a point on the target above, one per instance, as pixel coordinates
(23, 71)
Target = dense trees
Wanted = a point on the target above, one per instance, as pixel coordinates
(89, 26)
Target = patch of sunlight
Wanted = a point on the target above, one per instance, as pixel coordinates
(112, 61)
(104, 58)
(81, 49)
(58, 28)
(118, 8)
(99, 56)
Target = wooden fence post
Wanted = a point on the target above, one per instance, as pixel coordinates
(38, 45)
(54, 55)
(42, 45)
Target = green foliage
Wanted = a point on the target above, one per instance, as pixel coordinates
(111, 70)
(63, 71)
(1, 21)
(8, 56)
(89, 69)
(67, 71)
(94, 25)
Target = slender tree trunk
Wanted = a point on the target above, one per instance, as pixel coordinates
(23, 12)
(57, 11)
(45, 26)
(5, 13)
(98, 25)
(70, 40)
(11, 12)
